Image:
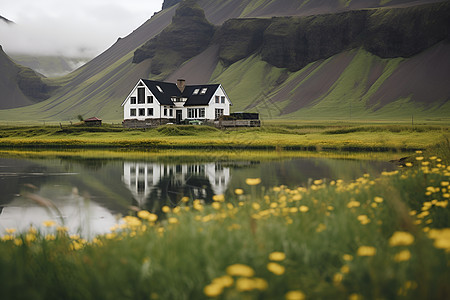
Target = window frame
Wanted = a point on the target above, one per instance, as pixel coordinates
(133, 112)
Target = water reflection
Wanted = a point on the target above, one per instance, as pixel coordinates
(155, 184)
(89, 195)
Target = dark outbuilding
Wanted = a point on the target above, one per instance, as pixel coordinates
(94, 121)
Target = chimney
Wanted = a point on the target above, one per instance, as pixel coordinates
(181, 84)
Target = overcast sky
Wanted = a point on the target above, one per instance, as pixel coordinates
(70, 27)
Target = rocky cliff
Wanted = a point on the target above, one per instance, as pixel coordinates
(188, 35)
(293, 42)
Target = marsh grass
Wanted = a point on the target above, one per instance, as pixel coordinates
(385, 237)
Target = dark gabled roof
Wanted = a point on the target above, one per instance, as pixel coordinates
(169, 90)
(199, 99)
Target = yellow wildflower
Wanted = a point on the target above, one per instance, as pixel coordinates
(224, 281)
(295, 295)
(30, 237)
(401, 238)
(355, 296)
(260, 284)
(213, 290)
(353, 203)
(49, 223)
(408, 164)
(419, 158)
(143, 214)
(303, 208)
(239, 191)
(240, 270)
(277, 256)
(219, 198)
(337, 278)
(152, 217)
(50, 237)
(363, 219)
(253, 181)
(165, 209)
(172, 220)
(347, 257)
(275, 268)
(8, 237)
(245, 284)
(345, 269)
(444, 183)
(366, 251)
(441, 238)
(10, 230)
(403, 255)
(256, 206)
(378, 199)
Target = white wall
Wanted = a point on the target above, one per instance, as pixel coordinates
(128, 106)
(211, 110)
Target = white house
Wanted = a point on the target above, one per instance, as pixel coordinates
(155, 102)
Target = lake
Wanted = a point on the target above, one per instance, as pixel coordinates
(89, 194)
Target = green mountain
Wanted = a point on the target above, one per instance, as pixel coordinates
(329, 59)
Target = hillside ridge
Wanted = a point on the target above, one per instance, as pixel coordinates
(240, 55)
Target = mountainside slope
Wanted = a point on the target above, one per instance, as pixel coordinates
(99, 87)
(20, 86)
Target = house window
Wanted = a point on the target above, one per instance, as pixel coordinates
(150, 112)
(149, 99)
(141, 111)
(165, 111)
(217, 99)
(133, 112)
(219, 112)
(203, 91)
(159, 89)
(222, 99)
(196, 92)
(133, 100)
(171, 112)
(201, 113)
(190, 113)
(141, 95)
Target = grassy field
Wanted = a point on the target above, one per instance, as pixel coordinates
(311, 136)
(386, 238)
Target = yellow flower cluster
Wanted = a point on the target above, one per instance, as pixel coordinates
(441, 238)
(240, 277)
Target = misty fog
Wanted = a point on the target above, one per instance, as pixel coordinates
(83, 28)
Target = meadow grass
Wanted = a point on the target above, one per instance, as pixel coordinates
(386, 238)
(342, 137)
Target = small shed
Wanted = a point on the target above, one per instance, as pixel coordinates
(94, 121)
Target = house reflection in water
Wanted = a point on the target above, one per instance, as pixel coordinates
(155, 184)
